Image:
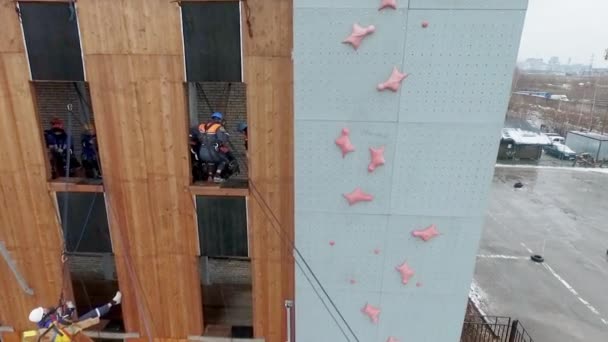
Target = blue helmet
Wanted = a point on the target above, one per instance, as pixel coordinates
(242, 127)
(217, 116)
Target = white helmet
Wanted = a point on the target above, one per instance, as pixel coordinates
(36, 315)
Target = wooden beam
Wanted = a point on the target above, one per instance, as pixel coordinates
(29, 225)
(214, 190)
(134, 63)
(73, 185)
(268, 71)
(110, 335)
(222, 339)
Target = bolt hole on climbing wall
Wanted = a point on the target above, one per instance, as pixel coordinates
(388, 213)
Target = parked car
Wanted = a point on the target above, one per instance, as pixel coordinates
(560, 151)
(555, 138)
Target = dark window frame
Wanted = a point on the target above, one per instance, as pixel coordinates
(53, 45)
(226, 59)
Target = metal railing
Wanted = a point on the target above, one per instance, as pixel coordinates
(494, 329)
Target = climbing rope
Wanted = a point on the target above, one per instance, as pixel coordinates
(289, 242)
(64, 221)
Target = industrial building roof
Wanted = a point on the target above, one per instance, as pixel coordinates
(522, 137)
(595, 136)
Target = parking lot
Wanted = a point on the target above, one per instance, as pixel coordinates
(563, 215)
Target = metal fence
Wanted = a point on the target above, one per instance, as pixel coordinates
(494, 329)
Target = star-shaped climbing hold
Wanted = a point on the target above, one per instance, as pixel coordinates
(392, 339)
(427, 233)
(359, 32)
(371, 312)
(406, 272)
(344, 143)
(394, 81)
(358, 196)
(388, 4)
(377, 158)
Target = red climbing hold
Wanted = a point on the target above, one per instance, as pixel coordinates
(359, 32)
(372, 312)
(425, 24)
(388, 4)
(394, 81)
(344, 143)
(427, 233)
(406, 272)
(377, 158)
(358, 196)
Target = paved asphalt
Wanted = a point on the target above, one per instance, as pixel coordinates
(563, 215)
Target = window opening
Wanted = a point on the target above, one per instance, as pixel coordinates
(88, 248)
(212, 41)
(52, 40)
(68, 125)
(218, 133)
(225, 266)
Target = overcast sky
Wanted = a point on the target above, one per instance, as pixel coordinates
(566, 28)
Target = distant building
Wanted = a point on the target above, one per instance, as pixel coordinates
(518, 144)
(534, 64)
(593, 143)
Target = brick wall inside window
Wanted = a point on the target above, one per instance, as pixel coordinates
(52, 99)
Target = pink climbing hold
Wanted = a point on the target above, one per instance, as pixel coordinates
(427, 233)
(352, 281)
(359, 32)
(376, 251)
(425, 24)
(332, 243)
(344, 142)
(371, 312)
(394, 81)
(377, 158)
(358, 196)
(388, 4)
(418, 284)
(392, 339)
(406, 272)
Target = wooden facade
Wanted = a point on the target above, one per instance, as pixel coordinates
(134, 63)
(267, 42)
(29, 225)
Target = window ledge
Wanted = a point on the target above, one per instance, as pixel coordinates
(206, 189)
(75, 185)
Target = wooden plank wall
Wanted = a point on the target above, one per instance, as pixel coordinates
(134, 64)
(29, 225)
(268, 70)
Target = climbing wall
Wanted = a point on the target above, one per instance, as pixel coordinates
(397, 124)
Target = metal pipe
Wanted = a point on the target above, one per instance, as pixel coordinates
(288, 307)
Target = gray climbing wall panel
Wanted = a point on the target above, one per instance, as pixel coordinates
(440, 131)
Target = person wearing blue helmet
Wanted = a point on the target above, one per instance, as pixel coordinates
(214, 144)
